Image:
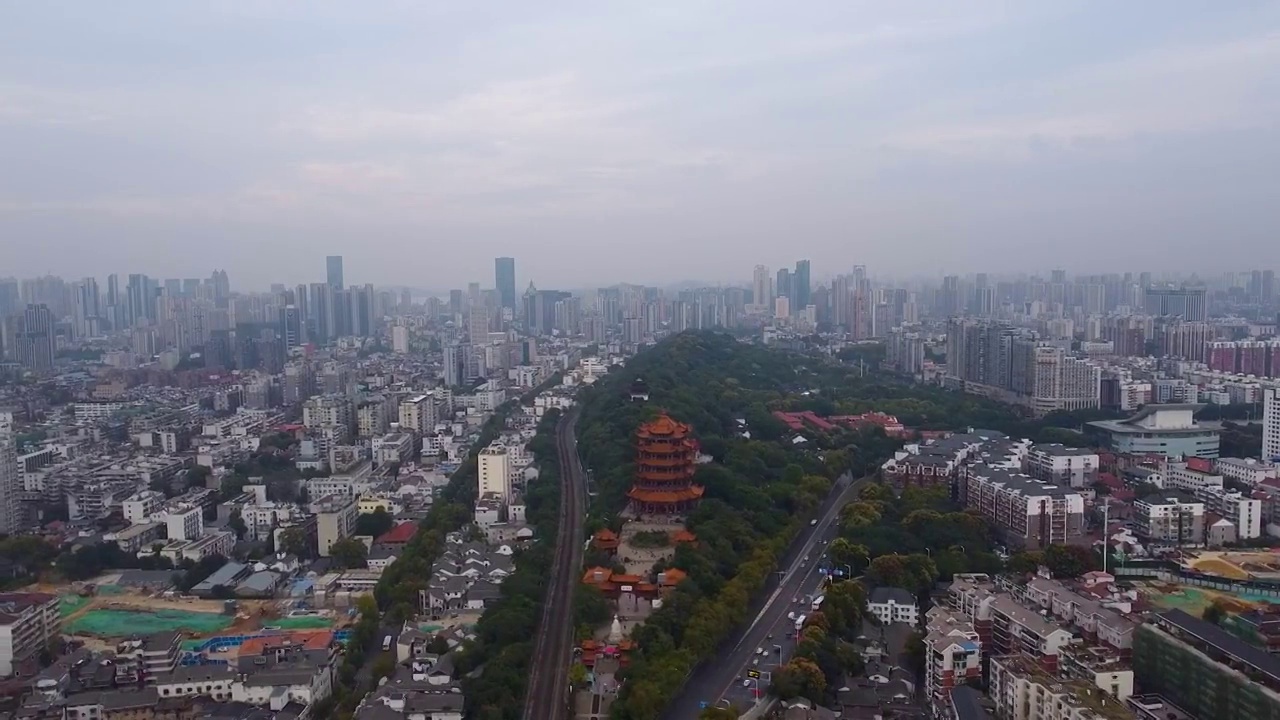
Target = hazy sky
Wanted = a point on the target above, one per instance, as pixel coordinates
(652, 142)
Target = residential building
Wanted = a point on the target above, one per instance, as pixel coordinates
(1271, 425)
(494, 472)
(1249, 471)
(335, 520)
(1242, 511)
(10, 475)
(1193, 476)
(953, 656)
(1204, 669)
(1170, 517)
(1169, 430)
(894, 605)
(28, 623)
(418, 414)
(1022, 690)
(1027, 512)
(393, 449)
(1061, 465)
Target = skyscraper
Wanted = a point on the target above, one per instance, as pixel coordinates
(9, 480)
(782, 288)
(290, 326)
(504, 270)
(333, 264)
(760, 289)
(800, 287)
(34, 338)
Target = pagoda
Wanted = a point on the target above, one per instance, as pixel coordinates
(666, 454)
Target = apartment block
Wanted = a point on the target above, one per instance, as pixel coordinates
(335, 520)
(953, 656)
(28, 622)
(1206, 670)
(1061, 465)
(1028, 513)
(1170, 517)
(1022, 690)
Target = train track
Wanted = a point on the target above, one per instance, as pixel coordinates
(547, 694)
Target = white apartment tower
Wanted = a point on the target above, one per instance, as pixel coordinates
(495, 472)
(1271, 424)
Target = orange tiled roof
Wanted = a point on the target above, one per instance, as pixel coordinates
(673, 576)
(590, 576)
(684, 536)
(693, 492)
(308, 639)
(606, 534)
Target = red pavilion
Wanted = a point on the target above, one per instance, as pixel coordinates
(666, 454)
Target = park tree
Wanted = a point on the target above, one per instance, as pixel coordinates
(374, 524)
(349, 553)
(295, 541)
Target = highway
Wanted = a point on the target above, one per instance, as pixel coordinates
(547, 693)
(723, 679)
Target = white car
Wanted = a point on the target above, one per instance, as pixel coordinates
(759, 651)
(791, 615)
(813, 523)
(746, 682)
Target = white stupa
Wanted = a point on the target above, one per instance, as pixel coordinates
(615, 631)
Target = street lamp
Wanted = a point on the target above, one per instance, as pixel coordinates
(849, 569)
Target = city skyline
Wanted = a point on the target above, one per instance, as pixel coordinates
(914, 139)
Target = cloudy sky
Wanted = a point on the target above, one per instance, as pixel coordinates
(650, 142)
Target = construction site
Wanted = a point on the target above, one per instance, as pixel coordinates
(100, 614)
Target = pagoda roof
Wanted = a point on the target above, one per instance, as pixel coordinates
(665, 426)
(606, 534)
(673, 576)
(692, 492)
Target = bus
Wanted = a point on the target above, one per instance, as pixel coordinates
(817, 603)
(799, 623)
(386, 643)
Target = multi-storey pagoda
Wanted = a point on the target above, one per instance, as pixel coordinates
(666, 455)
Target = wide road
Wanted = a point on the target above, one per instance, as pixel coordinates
(723, 678)
(547, 695)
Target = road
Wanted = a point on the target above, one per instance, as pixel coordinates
(547, 695)
(722, 679)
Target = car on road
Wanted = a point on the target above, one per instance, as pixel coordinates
(791, 615)
(813, 522)
(756, 662)
(746, 682)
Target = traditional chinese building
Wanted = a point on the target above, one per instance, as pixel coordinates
(666, 454)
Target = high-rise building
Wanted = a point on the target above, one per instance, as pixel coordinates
(760, 287)
(1187, 303)
(800, 286)
(1271, 424)
(455, 357)
(87, 308)
(290, 326)
(333, 264)
(494, 471)
(33, 338)
(9, 481)
(782, 288)
(504, 270)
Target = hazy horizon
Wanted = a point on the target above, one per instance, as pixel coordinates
(649, 144)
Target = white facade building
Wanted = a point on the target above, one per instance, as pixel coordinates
(495, 472)
(1271, 424)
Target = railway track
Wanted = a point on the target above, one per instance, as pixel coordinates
(547, 693)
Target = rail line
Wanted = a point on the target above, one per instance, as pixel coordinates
(547, 693)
